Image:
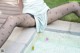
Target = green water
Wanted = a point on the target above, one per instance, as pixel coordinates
(53, 42)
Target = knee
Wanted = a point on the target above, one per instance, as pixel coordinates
(75, 4)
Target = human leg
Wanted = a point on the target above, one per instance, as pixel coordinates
(60, 11)
(10, 24)
(2, 21)
(6, 29)
(29, 21)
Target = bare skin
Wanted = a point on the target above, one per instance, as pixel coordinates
(25, 20)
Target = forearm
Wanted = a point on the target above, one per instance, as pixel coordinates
(20, 4)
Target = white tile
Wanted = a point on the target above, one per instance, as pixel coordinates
(60, 25)
(13, 47)
(75, 27)
(26, 35)
(15, 34)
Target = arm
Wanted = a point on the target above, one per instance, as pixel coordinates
(20, 4)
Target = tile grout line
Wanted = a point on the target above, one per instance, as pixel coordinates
(70, 27)
(26, 45)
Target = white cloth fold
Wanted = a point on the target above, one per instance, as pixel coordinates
(38, 8)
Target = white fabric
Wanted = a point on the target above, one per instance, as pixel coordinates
(38, 8)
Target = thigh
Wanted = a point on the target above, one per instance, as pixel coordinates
(54, 14)
(29, 21)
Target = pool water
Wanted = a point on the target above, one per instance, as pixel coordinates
(54, 42)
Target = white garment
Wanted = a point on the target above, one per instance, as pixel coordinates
(38, 8)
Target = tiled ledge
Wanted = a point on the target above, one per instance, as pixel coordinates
(75, 27)
(60, 25)
(18, 39)
(21, 36)
(65, 26)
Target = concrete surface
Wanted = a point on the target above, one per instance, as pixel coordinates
(21, 36)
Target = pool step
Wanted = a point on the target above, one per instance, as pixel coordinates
(20, 36)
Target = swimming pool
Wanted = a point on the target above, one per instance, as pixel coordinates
(53, 41)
